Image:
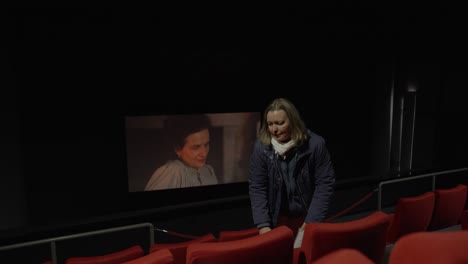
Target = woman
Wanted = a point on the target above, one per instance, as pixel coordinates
(291, 175)
(191, 143)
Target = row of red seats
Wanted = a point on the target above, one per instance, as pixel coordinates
(368, 235)
(337, 245)
(418, 247)
(177, 250)
(431, 211)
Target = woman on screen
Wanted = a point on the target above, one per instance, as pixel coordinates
(190, 138)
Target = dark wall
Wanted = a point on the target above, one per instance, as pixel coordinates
(12, 190)
(77, 72)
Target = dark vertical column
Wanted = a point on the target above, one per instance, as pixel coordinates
(413, 126)
(12, 187)
(402, 147)
(383, 112)
(407, 132)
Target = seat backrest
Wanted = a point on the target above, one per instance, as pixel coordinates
(449, 205)
(179, 250)
(163, 256)
(366, 234)
(448, 247)
(229, 235)
(345, 255)
(412, 214)
(112, 258)
(273, 247)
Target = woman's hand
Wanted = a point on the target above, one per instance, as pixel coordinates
(302, 226)
(299, 236)
(263, 230)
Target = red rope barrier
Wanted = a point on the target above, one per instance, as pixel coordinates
(367, 196)
(176, 234)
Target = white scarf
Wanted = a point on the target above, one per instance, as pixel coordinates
(280, 149)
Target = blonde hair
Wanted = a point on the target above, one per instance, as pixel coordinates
(296, 124)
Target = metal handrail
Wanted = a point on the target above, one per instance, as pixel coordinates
(433, 175)
(84, 234)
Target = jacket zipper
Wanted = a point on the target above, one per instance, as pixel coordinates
(300, 192)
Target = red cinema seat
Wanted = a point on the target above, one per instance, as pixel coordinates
(274, 247)
(412, 214)
(179, 249)
(112, 258)
(449, 206)
(447, 247)
(366, 234)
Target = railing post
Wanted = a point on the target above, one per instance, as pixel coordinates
(53, 252)
(151, 234)
(379, 198)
